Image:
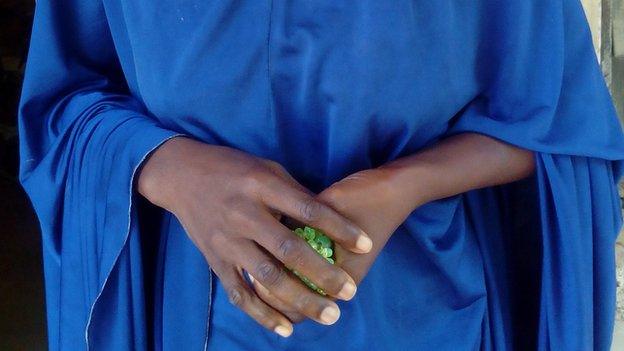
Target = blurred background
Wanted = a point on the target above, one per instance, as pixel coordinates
(606, 18)
(22, 316)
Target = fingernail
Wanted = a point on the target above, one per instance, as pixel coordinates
(283, 331)
(364, 243)
(347, 292)
(330, 315)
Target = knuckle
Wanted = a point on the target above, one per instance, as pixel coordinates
(237, 217)
(275, 166)
(270, 274)
(296, 317)
(334, 197)
(261, 182)
(264, 318)
(252, 183)
(236, 295)
(255, 178)
(304, 303)
(310, 210)
(332, 281)
(218, 240)
(290, 250)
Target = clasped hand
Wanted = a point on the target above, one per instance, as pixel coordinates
(373, 201)
(230, 205)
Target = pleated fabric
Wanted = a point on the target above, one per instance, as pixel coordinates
(326, 88)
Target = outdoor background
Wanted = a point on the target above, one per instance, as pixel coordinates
(22, 318)
(606, 18)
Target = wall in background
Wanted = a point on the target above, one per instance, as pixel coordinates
(606, 18)
(22, 324)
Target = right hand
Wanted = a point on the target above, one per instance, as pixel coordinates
(230, 203)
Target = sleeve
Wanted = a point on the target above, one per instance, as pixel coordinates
(548, 242)
(82, 139)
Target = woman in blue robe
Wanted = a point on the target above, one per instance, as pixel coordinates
(328, 89)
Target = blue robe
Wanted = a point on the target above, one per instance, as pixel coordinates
(325, 88)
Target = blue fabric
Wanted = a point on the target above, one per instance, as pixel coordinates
(325, 88)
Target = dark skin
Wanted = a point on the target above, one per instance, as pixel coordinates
(230, 202)
(379, 200)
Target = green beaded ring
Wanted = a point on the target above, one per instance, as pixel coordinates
(322, 244)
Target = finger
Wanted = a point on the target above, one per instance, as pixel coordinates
(306, 209)
(242, 296)
(285, 286)
(274, 302)
(296, 254)
(281, 172)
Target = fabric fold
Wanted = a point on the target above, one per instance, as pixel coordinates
(581, 215)
(553, 238)
(83, 138)
(548, 241)
(523, 72)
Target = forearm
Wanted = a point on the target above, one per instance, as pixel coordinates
(458, 164)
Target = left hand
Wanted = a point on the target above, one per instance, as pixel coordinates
(373, 199)
(379, 200)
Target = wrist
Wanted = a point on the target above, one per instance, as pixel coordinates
(409, 181)
(156, 177)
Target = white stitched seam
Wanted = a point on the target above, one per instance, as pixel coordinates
(126, 237)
